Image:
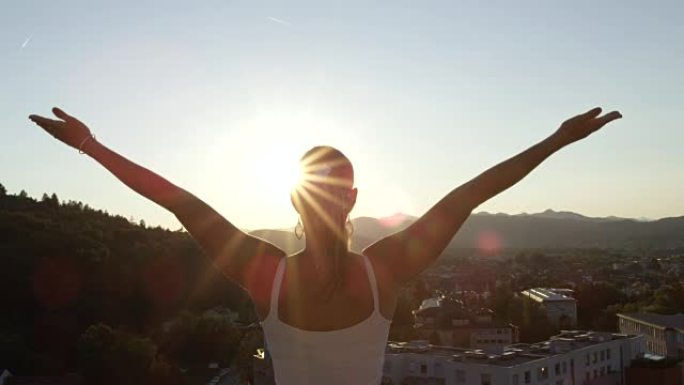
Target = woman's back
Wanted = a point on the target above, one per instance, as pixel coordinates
(304, 350)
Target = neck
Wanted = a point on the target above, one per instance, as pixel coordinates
(325, 250)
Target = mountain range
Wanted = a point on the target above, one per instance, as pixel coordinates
(495, 232)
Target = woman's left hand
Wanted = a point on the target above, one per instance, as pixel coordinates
(581, 126)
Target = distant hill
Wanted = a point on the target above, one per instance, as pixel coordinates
(284, 239)
(562, 215)
(548, 229)
(570, 230)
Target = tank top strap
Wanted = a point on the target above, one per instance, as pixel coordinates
(373, 282)
(275, 290)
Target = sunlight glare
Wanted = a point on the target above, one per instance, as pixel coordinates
(277, 171)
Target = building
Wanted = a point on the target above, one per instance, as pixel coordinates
(664, 334)
(444, 321)
(561, 309)
(570, 358)
(652, 370)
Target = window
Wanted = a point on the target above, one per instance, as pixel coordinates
(608, 353)
(542, 373)
(595, 358)
(565, 367)
(516, 380)
(588, 376)
(423, 369)
(609, 369)
(559, 382)
(595, 373)
(603, 355)
(603, 370)
(498, 331)
(439, 370)
(587, 359)
(528, 377)
(460, 376)
(557, 368)
(387, 366)
(485, 379)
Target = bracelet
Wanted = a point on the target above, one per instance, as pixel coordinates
(83, 142)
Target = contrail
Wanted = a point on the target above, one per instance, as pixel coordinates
(279, 21)
(25, 43)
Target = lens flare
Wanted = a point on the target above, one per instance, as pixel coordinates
(488, 242)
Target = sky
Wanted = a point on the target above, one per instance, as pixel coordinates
(223, 97)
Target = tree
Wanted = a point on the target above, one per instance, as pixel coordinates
(654, 264)
(109, 356)
(592, 299)
(50, 201)
(501, 300)
(535, 326)
(3, 190)
(669, 299)
(194, 341)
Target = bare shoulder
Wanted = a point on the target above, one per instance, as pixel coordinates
(259, 277)
(387, 288)
(383, 270)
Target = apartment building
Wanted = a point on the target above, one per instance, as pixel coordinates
(663, 333)
(561, 309)
(570, 358)
(442, 321)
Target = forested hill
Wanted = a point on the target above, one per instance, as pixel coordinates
(66, 266)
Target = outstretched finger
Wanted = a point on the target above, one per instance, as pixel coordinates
(49, 125)
(594, 112)
(45, 122)
(61, 114)
(607, 118)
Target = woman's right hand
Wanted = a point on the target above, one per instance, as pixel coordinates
(68, 130)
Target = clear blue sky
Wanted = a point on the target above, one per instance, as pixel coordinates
(218, 95)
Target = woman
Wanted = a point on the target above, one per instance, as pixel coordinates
(325, 311)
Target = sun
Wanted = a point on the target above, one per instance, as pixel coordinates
(276, 171)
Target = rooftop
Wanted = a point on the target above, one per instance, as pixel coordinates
(444, 311)
(668, 321)
(543, 294)
(430, 303)
(512, 355)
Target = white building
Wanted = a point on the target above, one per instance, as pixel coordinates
(561, 309)
(571, 358)
(664, 334)
(447, 322)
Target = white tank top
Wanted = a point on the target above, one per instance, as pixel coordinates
(349, 356)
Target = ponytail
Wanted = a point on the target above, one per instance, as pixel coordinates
(340, 255)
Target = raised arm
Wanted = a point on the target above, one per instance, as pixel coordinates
(236, 253)
(407, 253)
